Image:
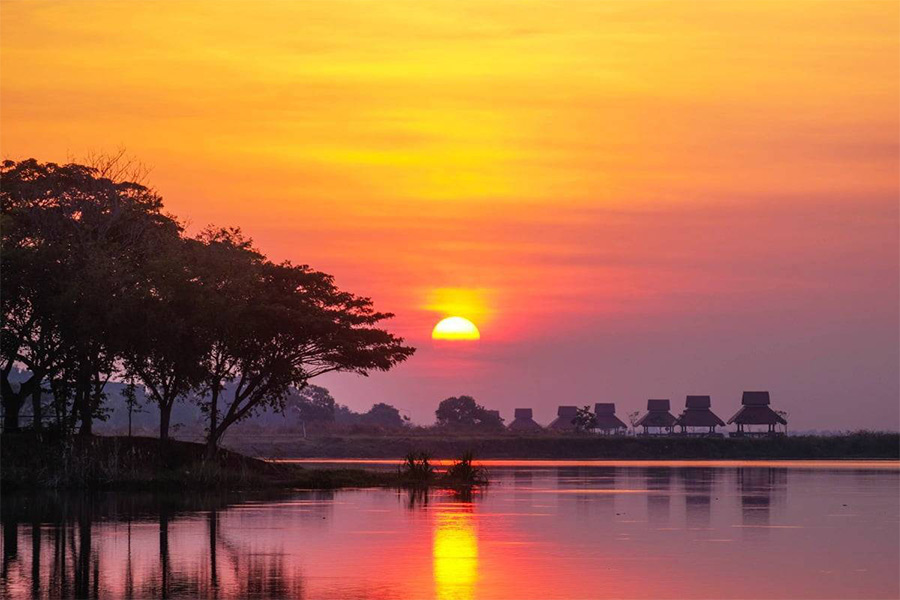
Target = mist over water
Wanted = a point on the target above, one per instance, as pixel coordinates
(676, 530)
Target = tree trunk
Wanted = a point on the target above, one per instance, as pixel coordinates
(12, 404)
(165, 415)
(82, 403)
(212, 444)
(83, 397)
(212, 438)
(36, 407)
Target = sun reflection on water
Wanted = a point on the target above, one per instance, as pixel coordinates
(455, 555)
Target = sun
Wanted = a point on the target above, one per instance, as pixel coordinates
(455, 328)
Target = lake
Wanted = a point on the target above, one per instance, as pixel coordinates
(542, 529)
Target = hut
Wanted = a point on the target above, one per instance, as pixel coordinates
(697, 415)
(755, 410)
(565, 419)
(658, 418)
(607, 421)
(524, 421)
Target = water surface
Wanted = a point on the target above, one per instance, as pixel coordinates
(577, 529)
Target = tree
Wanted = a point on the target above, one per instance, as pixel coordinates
(284, 325)
(129, 392)
(633, 418)
(343, 415)
(383, 415)
(464, 412)
(312, 403)
(165, 347)
(74, 244)
(584, 420)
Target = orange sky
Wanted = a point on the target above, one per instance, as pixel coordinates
(629, 199)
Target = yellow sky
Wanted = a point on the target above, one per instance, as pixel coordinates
(545, 167)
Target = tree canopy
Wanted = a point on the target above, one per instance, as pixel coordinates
(465, 412)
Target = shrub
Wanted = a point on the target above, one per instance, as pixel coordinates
(464, 472)
(416, 468)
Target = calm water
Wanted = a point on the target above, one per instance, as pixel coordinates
(557, 530)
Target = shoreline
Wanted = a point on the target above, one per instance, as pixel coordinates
(39, 461)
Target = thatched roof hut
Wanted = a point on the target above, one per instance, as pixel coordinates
(755, 410)
(524, 421)
(607, 421)
(658, 417)
(697, 413)
(565, 419)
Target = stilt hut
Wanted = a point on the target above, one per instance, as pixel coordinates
(607, 421)
(697, 418)
(565, 419)
(658, 420)
(755, 410)
(524, 421)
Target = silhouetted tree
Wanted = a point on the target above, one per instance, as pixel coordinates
(383, 415)
(312, 403)
(584, 419)
(464, 412)
(284, 325)
(165, 347)
(129, 392)
(74, 247)
(633, 418)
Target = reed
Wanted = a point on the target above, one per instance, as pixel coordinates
(464, 472)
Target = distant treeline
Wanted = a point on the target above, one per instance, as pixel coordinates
(100, 284)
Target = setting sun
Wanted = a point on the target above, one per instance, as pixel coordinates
(455, 328)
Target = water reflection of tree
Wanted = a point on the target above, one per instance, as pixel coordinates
(69, 566)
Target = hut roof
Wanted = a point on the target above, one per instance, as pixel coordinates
(566, 418)
(523, 421)
(698, 402)
(657, 418)
(524, 424)
(605, 421)
(757, 415)
(755, 399)
(658, 405)
(604, 408)
(699, 417)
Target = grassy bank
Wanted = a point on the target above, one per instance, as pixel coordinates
(30, 461)
(862, 445)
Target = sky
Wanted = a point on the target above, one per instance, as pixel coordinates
(630, 200)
